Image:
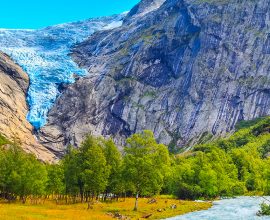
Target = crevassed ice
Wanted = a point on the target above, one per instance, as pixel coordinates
(43, 54)
(240, 208)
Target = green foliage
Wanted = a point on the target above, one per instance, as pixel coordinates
(226, 167)
(204, 174)
(3, 140)
(93, 169)
(85, 170)
(248, 124)
(145, 164)
(265, 209)
(55, 184)
(97, 167)
(115, 164)
(229, 166)
(71, 171)
(21, 174)
(264, 149)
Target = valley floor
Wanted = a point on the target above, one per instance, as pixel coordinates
(49, 210)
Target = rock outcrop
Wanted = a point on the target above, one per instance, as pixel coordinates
(185, 70)
(13, 109)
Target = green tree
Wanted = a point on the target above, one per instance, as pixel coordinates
(94, 172)
(208, 181)
(85, 170)
(21, 174)
(55, 184)
(114, 163)
(145, 164)
(71, 171)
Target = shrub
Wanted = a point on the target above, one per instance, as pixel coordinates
(265, 209)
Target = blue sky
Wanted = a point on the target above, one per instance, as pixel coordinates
(42, 13)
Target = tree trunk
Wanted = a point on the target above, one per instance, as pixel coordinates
(105, 196)
(136, 202)
(81, 195)
(24, 199)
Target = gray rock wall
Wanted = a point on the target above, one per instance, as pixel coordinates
(187, 69)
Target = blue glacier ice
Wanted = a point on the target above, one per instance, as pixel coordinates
(240, 208)
(43, 54)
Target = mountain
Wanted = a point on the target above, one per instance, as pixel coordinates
(185, 69)
(13, 109)
(43, 54)
(144, 7)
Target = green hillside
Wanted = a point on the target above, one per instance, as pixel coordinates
(235, 165)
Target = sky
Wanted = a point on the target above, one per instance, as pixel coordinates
(34, 14)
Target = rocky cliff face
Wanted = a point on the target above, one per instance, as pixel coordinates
(185, 69)
(13, 109)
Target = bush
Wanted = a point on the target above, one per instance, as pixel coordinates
(265, 209)
(239, 188)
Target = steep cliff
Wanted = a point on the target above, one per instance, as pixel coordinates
(186, 70)
(13, 109)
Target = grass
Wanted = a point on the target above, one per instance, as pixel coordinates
(49, 210)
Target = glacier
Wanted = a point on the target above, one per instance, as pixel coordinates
(44, 56)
